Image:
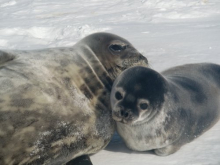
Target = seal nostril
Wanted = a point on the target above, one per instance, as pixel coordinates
(126, 114)
(122, 113)
(142, 58)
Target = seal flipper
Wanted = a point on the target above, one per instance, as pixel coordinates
(82, 160)
(166, 150)
(5, 57)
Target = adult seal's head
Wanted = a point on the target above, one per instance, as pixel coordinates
(115, 53)
(163, 112)
(54, 103)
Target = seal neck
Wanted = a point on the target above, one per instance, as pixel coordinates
(98, 70)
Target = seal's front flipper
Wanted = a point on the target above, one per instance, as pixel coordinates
(166, 150)
(82, 160)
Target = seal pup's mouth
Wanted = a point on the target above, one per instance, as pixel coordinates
(116, 118)
(121, 120)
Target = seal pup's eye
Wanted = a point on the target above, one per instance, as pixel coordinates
(117, 48)
(143, 106)
(118, 96)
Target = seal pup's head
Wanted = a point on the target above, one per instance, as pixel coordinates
(137, 95)
(114, 53)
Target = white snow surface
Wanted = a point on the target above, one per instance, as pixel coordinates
(167, 32)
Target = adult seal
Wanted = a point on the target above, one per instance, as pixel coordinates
(162, 112)
(54, 103)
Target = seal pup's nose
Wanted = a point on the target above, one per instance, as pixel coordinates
(124, 113)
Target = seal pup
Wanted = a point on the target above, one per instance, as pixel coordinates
(162, 112)
(55, 103)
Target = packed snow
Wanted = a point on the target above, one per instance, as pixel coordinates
(167, 32)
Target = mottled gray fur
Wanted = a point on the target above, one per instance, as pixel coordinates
(54, 103)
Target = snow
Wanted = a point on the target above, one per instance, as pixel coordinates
(167, 32)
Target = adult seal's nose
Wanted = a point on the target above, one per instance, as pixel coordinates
(142, 58)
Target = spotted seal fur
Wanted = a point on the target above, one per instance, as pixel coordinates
(54, 103)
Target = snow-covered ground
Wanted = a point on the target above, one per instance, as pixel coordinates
(167, 32)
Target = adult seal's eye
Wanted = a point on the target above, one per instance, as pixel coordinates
(118, 96)
(143, 106)
(117, 48)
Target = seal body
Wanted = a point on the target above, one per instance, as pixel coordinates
(162, 112)
(54, 103)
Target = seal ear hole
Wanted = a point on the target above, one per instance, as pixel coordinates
(117, 48)
(118, 95)
(143, 106)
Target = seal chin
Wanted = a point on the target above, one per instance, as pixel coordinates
(129, 122)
